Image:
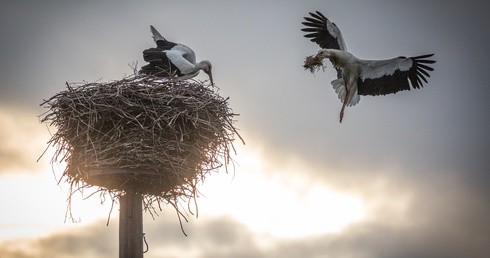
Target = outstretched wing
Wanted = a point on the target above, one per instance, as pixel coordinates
(393, 75)
(322, 31)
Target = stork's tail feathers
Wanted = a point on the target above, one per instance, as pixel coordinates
(339, 87)
(156, 35)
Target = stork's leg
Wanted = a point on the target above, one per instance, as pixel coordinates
(345, 102)
(342, 112)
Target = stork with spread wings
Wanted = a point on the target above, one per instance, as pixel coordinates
(355, 76)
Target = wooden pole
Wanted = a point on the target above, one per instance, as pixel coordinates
(131, 225)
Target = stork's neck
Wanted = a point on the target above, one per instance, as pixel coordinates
(198, 67)
(195, 70)
(201, 65)
(340, 59)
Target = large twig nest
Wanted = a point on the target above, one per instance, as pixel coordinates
(157, 136)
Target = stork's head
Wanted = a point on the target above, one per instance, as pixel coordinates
(333, 55)
(323, 53)
(206, 67)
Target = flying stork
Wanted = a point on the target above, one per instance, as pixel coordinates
(357, 77)
(171, 59)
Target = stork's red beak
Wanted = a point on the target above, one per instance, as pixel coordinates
(210, 76)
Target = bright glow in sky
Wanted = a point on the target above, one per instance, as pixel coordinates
(280, 202)
(40, 206)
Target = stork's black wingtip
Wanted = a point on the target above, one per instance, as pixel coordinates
(426, 56)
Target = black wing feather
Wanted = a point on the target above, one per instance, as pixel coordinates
(165, 44)
(154, 55)
(399, 80)
(317, 25)
(159, 64)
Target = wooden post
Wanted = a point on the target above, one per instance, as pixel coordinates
(131, 225)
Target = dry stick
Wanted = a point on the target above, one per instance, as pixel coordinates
(110, 212)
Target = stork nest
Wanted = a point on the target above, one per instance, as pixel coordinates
(158, 137)
(314, 63)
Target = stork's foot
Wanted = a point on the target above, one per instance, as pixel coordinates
(342, 113)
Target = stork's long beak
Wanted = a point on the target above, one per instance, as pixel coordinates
(210, 76)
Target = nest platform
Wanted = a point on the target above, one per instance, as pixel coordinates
(158, 137)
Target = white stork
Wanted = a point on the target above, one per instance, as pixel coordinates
(171, 59)
(363, 77)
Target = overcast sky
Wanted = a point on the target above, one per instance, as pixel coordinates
(416, 160)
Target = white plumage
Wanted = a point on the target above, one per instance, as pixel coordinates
(357, 77)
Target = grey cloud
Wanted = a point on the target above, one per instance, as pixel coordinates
(451, 227)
